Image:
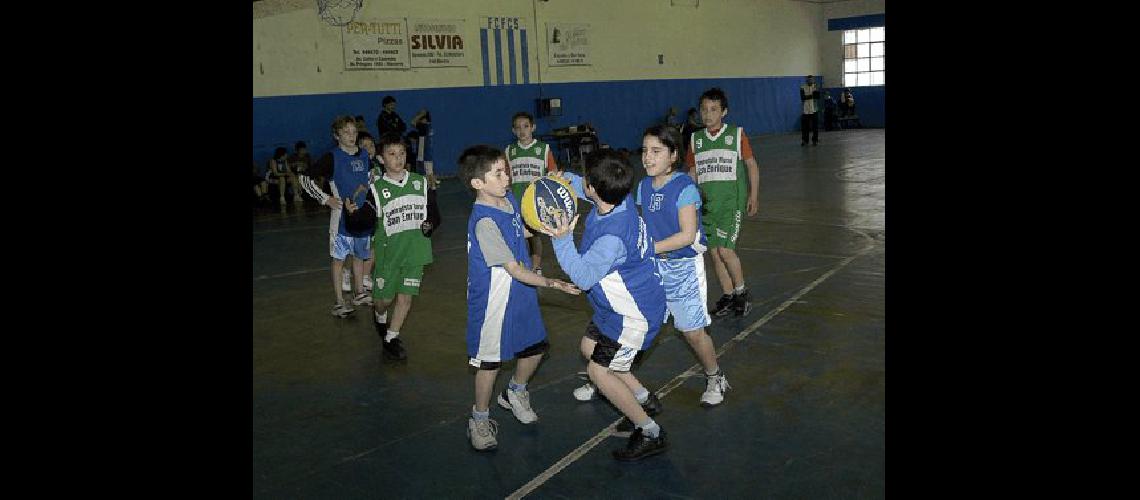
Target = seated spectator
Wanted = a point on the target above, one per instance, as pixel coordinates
(260, 187)
(300, 161)
(280, 173)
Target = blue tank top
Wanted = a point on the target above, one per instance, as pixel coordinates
(629, 302)
(515, 312)
(659, 209)
(349, 171)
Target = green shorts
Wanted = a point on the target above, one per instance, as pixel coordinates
(722, 227)
(390, 280)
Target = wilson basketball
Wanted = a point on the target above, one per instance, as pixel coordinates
(546, 200)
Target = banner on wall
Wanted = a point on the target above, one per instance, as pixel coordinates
(438, 43)
(503, 47)
(568, 44)
(380, 44)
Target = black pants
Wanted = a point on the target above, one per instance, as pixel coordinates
(809, 122)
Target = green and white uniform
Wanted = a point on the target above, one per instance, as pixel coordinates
(723, 178)
(400, 248)
(527, 164)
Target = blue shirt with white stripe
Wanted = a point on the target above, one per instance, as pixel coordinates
(617, 270)
(502, 313)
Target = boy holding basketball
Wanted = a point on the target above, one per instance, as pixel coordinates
(528, 159)
(716, 160)
(615, 264)
(503, 318)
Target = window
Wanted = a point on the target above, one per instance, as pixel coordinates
(864, 57)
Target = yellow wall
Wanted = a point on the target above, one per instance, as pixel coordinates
(296, 53)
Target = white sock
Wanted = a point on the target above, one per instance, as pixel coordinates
(381, 318)
(642, 396)
(651, 428)
(738, 290)
(391, 335)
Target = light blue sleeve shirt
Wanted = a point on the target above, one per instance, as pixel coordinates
(689, 196)
(577, 184)
(588, 269)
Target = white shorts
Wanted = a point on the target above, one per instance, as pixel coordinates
(686, 290)
(340, 246)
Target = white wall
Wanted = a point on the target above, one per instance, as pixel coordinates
(296, 53)
(831, 42)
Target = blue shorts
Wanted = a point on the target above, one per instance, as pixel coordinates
(685, 291)
(341, 245)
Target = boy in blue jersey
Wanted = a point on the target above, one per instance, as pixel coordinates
(671, 206)
(503, 319)
(346, 174)
(615, 265)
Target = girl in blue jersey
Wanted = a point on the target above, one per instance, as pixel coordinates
(503, 319)
(615, 264)
(671, 206)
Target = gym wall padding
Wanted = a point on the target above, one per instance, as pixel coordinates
(619, 110)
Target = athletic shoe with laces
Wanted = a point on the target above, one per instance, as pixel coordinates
(346, 281)
(482, 433)
(742, 303)
(715, 388)
(652, 406)
(586, 393)
(723, 304)
(394, 349)
(519, 404)
(640, 446)
(342, 310)
(362, 299)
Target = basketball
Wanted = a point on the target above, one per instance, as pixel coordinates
(546, 200)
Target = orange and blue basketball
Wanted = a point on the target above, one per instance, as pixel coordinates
(546, 200)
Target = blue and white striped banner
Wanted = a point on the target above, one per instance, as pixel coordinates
(506, 60)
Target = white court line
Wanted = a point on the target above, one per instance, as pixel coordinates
(679, 379)
(327, 269)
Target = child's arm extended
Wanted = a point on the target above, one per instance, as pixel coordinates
(496, 253)
(521, 273)
(587, 269)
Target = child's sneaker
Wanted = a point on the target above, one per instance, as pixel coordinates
(586, 392)
(342, 310)
(742, 303)
(723, 304)
(519, 404)
(394, 349)
(362, 299)
(346, 281)
(714, 390)
(640, 446)
(482, 433)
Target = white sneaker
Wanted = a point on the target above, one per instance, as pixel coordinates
(519, 404)
(346, 281)
(362, 299)
(482, 433)
(586, 392)
(342, 310)
(714, 390)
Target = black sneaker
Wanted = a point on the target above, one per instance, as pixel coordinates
(742, 303)
(723, 304)
(381, 328)
(639, 446)
(394, 349)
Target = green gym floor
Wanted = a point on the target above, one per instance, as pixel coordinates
(805, 417)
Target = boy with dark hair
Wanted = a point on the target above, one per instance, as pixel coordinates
(615, 265)
(503, 318)
(401, 244)
(529, 159)
(716, 159)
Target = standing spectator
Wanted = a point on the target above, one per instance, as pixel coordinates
(389, 122)
(808, 94)
(692, 124)
(847, 104)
